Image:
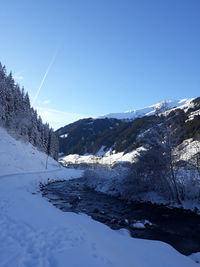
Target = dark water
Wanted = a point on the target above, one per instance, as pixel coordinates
(177, 227)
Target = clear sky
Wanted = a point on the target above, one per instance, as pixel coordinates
(105, 55)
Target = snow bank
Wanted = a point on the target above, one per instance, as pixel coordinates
(141, 224)
(138, 225)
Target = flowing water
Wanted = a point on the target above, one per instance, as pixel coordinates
(177, 227)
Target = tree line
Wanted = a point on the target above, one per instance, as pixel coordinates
(17, 115)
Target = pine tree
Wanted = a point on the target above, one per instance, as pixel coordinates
(17, 115)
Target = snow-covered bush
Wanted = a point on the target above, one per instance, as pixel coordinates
(189, 185)
(136, 182)
(106, 180)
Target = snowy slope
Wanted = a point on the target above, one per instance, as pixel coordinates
(148, 111)
(19, 157)
(35, 233)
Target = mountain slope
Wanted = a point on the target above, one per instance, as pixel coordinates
(98, 136)
(79, 137)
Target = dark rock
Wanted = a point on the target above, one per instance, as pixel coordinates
(75, 200)
(96, 210)
(102, 212)
(113, 220)
(123, 222)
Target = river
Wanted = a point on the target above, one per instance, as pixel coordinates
(177, 227)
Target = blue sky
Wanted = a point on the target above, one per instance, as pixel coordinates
(109, 55)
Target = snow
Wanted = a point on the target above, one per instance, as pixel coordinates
(196, 257)
(141, 224)
(138, 225)
(101, 151)
(192, 115)
(104, 158)
(189, 149)
(14, 161)
(148, 111)
(35, 233)
(64, 135)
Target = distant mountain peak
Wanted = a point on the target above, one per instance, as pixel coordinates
(148, 111)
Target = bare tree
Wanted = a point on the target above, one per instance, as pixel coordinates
(48, 151)
(196, 158)
(168, 142)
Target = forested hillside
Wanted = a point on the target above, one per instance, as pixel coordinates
(83, 136)
(20, 119)
(91, 135)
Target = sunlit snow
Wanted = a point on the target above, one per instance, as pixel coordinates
(35, 233)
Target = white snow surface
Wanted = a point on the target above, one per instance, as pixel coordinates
(108, 158)
(20, 157)
(141, 224)
(138, 225)
(196, 257)
(148, 111)
(188, 148)
(35, 233)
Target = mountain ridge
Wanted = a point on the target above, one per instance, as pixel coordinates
(149, 110)
(89, 136)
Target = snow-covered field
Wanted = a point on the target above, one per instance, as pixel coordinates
(36, 234)
(106, 158)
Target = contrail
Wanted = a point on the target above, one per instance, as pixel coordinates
(45, 75)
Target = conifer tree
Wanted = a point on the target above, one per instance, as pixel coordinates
(17, 115)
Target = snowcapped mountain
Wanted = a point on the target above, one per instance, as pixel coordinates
(121, 133)
(148, 111)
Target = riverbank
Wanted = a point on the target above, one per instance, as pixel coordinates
(177, 227)
(35, 233)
